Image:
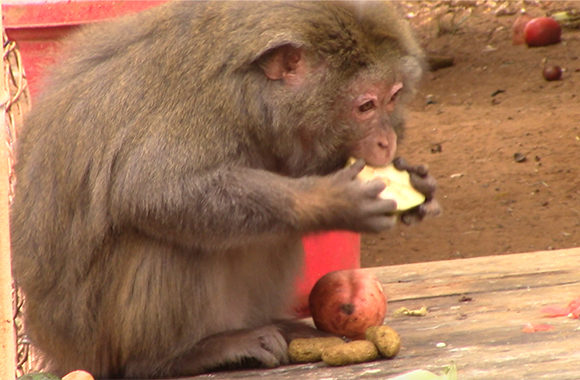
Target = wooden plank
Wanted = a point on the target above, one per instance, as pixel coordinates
(483, 336)
(482, 274)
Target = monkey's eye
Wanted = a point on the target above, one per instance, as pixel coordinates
(366, 106)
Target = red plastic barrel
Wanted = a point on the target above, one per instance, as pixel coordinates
(38, 25)
(325, 252)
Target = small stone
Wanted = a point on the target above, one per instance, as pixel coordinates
(520, 157)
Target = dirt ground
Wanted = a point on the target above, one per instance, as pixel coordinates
(491, 104)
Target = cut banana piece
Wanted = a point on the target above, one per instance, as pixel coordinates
(398, 183)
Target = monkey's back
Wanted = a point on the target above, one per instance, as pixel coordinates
(131, 86)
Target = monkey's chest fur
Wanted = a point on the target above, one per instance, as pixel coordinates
(241, 287)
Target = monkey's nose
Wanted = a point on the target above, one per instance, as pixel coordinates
(383, 145)
(386, 149)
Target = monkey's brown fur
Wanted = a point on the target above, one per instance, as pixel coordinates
(167, 174)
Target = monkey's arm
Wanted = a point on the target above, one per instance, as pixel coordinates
(225, 206)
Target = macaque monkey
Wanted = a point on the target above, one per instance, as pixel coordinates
(167, 174)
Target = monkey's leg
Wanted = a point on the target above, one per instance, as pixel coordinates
(262, 347)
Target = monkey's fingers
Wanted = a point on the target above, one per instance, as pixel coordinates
(349, 172)
(266, 347)
(274, 351)
(380, 207)
(400, 163)
(428, 209)
(426, 185)
(421, 170)
(378, 215)
(373, 188)
(419, 176)
(431, 208)
(355, 168)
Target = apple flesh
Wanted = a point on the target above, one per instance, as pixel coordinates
(398, 183)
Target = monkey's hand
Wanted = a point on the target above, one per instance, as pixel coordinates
(426, 184)
(357, 205)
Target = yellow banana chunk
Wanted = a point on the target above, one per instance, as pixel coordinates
(398, 183)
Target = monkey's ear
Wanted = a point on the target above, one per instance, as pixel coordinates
(285, 62)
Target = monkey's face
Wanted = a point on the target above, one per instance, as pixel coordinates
(372, 113)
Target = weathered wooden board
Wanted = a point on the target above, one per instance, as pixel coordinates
(477, 308)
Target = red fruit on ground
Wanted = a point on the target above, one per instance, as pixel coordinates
(542, 31)
(518, 29)
(552, 72)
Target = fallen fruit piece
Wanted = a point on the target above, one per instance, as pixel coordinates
(518, 29)
(347, 302)
(555, 311)
(402, 311)
(359, 351)
(569, 18)
(386, 339)
(574, 307)
(78, 375)
(531, 328)
(552, 72)
(450, 373)
(419, 374)
(309, 350)
(572, 310)
(398, 183)
(574, 304)
(542, 31)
